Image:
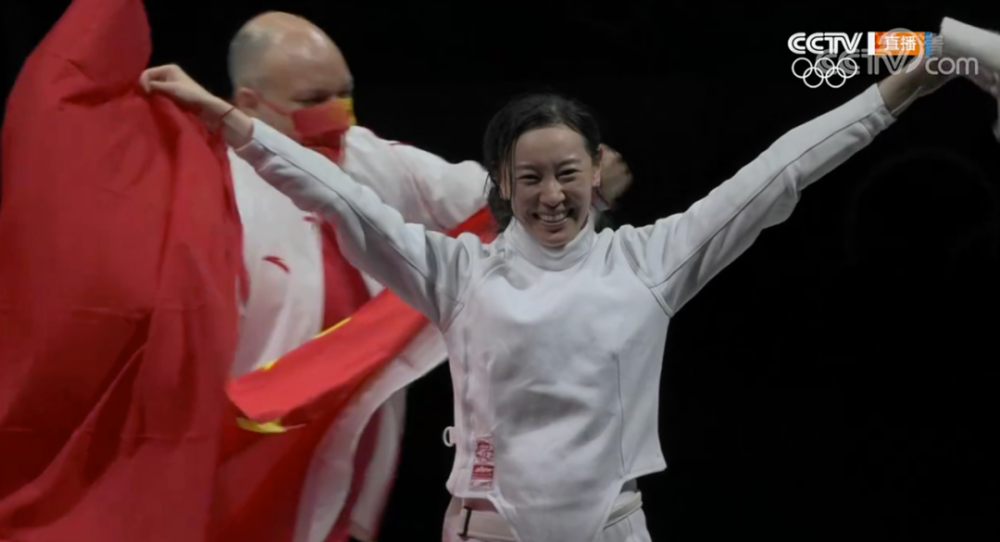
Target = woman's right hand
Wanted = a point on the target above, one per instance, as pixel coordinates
(172, 82)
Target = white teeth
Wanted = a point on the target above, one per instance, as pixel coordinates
(552, 218)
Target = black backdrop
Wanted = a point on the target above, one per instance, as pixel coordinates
(838, 381)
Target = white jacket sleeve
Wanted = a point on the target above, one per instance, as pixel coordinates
(427, 269)
(424, 187)
(450, 193)
(678, 255)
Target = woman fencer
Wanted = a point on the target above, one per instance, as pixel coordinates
(555, 331)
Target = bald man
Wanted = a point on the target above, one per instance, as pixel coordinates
(290, 74)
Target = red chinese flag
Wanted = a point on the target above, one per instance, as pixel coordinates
(119, 256)
(289, 406)
(323, 373)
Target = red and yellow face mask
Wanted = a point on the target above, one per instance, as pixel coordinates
(322, 127)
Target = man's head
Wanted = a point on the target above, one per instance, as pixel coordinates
(279, 63)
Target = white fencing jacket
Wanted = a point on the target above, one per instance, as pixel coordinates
(556, 354)
(284, 262)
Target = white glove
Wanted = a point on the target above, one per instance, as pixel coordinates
(961, 40)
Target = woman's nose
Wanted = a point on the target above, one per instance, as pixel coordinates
(552, 192)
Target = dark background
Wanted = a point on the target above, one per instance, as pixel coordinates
(839, 381)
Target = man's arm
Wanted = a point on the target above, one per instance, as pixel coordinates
(424, 188)
(449, 193)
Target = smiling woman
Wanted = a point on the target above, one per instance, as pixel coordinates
(543, 154)
(555, 332)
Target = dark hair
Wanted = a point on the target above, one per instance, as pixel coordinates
(520, 115)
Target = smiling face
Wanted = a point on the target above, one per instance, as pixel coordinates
(543, 154)
(553, 180)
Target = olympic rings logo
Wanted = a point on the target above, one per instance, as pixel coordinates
(825, 69)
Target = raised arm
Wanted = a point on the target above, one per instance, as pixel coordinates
(427, 269)
(425, 188)
(679, 254)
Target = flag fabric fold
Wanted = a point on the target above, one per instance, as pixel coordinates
(119, 255)
(120, 258)
(323, 373)
(283, 412)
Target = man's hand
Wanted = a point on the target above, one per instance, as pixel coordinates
(615, 175)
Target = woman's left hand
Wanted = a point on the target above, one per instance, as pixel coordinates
(927, 77)
(916, 80)
(171, 81)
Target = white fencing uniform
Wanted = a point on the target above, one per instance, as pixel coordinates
(283, 256)
(556, 354)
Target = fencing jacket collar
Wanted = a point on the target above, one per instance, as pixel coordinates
(552, 259)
